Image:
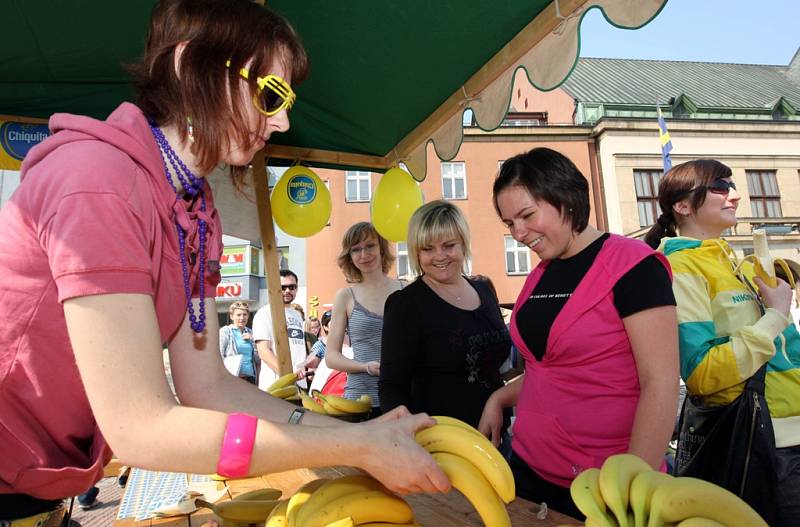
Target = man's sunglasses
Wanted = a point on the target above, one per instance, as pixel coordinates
(719, 186)
(290, 287)
(274, 94)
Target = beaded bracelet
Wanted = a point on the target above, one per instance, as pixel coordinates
(237, 446)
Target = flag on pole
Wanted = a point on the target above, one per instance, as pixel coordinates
(666, 142)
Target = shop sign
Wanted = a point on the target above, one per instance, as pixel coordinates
(16, 140)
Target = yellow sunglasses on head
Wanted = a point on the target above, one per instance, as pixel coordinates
(274, 94)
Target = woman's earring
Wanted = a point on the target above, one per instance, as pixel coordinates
(190, 130)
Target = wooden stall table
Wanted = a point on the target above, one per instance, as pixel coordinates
(439, 510)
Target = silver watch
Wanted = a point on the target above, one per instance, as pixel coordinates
(296, 416)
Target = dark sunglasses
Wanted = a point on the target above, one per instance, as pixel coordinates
(290, 287)
(719, 186)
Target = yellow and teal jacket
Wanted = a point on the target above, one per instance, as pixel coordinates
(725, 339)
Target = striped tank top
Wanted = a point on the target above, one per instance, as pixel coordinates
(365, 329)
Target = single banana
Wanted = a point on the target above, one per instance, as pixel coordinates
(260, 494)
(476, 449)
(310, 404)
(300, 497)
(284, 393)
(277, 518)
(765, 267)
(616, 475)
(585, 492)
(330, 410)
(385, 524)
(642, 488)
(282, 382)
(349, 406)
(466, 477)
(335, 489)
(245, 511)
(345, 522)
(362, 507)
(685, 497)
(452, 421)
(699, 522)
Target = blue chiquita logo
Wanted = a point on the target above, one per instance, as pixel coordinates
(302, 189)
(18, 138)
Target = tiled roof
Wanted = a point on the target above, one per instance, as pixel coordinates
(707, 84)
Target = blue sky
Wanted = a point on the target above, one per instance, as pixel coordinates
(741, 31)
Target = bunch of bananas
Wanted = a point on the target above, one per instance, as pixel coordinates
(346, 501)
(474, 467)
(334, 405)
(285, 388)
(626, 492)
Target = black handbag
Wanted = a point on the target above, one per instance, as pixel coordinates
(732, 446)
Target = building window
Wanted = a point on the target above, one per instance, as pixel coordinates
(454, 181)
(518, 256)
(404, 271)
(357, 185)
(765, 197)
(646, 182)
(525, 119)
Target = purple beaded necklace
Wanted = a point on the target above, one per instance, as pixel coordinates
(193, 186)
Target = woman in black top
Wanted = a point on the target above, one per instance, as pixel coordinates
(444, 338)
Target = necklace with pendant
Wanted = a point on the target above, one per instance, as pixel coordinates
(193, 186)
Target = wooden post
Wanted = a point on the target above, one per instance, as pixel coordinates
(280, 338)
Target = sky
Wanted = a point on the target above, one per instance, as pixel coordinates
(738, 31)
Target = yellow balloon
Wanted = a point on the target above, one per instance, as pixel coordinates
(301, 202)
(396, 198)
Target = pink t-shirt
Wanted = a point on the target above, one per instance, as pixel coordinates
(93, 215)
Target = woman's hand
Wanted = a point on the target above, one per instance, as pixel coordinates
(373, 368)
(395, 458)
(778, 297)
(246, 336)
(491, 423)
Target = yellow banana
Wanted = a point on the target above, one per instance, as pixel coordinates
(452, 421)
(641, 492)
(364, 506)
(476, 449)
(385, 524)
(259, 494)
(346, 522)
(585, 492)
(466, 477)
(616, 475)
(330, 410)
(282, 382)
(300, 497)
(245, 511)
(685, 497)
(310, 404)
(277, 518)
(333, 490)
(284, 393)
(699, 522)
(349, 406)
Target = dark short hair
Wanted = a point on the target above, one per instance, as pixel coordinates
(286, 272)
(548, 176)
(216, 31)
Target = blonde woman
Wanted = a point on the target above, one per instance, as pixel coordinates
(358, 309)
(237, 339)
(444, 338)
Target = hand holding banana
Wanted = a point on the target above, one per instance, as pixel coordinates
(626, 492)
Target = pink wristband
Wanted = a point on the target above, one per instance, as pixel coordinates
(237, 446)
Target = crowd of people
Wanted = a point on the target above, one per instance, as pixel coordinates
(604, 325)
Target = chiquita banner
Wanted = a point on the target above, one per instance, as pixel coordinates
(17, 136)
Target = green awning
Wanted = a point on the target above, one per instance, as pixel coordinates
(387, 77)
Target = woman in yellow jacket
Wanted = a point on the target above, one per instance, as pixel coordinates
(724, 337)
